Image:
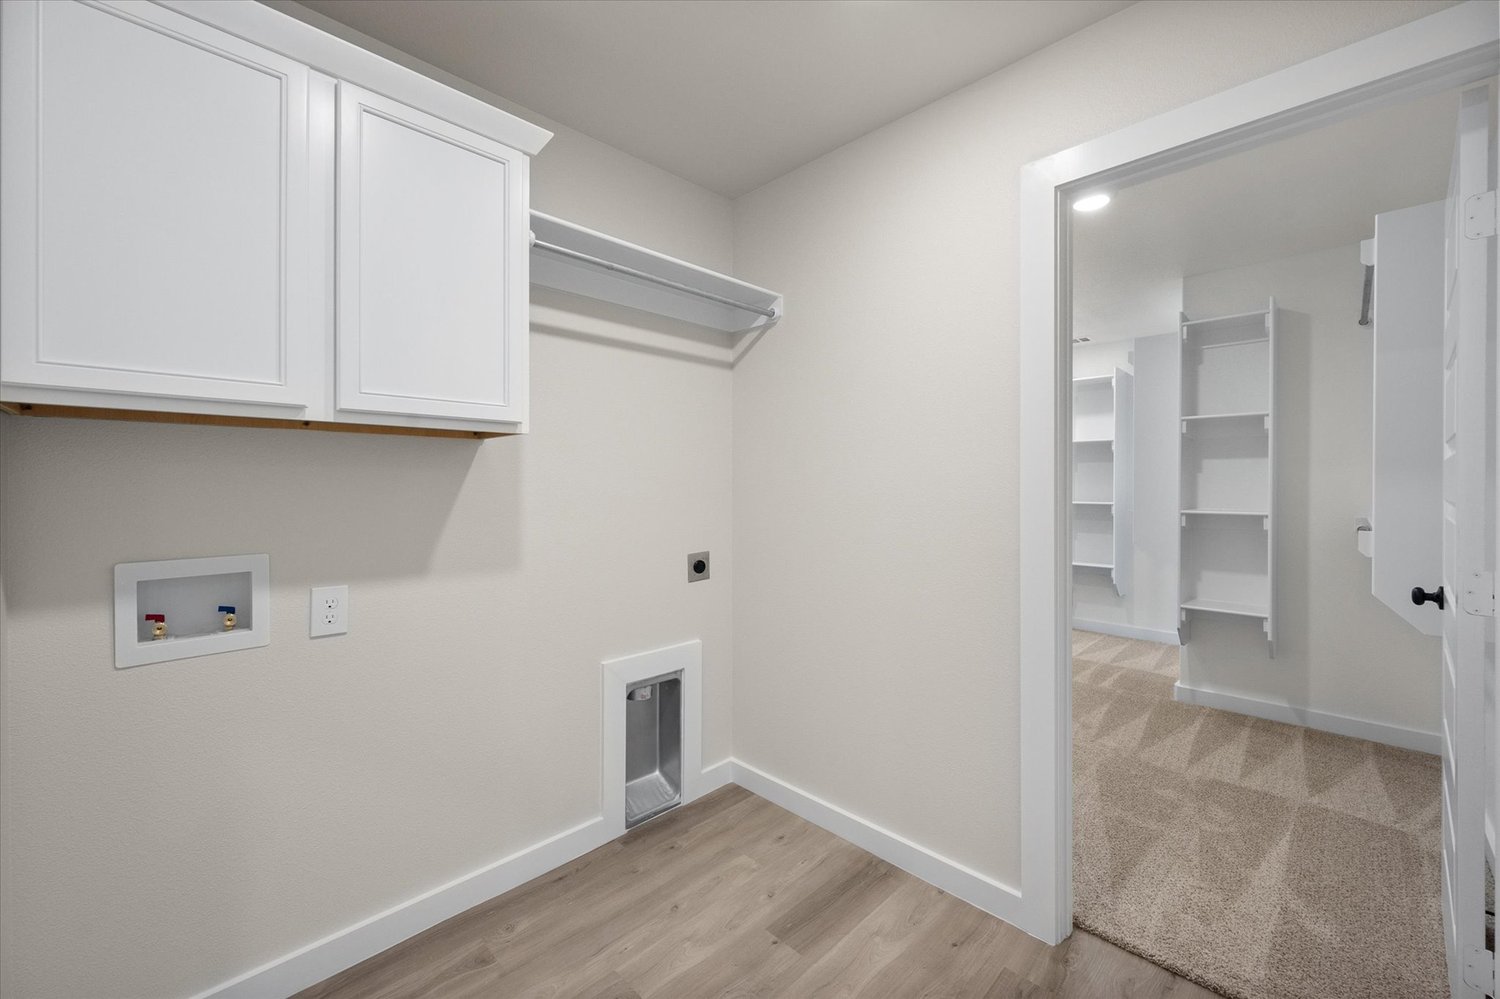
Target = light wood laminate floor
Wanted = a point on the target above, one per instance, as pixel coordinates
(734, 897)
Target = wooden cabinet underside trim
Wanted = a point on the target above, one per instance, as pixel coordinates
(202, 419)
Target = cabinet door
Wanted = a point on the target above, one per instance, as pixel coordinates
(432, 266)
(155, 200)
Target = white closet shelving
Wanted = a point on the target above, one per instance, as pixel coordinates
(1102, 475)
(1228, 451)
(574, 259)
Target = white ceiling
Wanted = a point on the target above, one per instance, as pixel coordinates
(1313, 191)
(727, 94)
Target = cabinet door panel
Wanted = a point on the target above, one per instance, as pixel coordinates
(155, 196)
(432, 266)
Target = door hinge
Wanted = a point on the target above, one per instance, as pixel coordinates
(1479, 216)
(1478, 597)
(1479, 970)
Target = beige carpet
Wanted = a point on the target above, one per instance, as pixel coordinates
(1264, 861)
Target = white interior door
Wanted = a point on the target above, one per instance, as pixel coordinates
(1466, 597)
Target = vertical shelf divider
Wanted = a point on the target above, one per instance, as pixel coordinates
(1124, 479)
(1227, 457)
(1102, 428)
(1271, 480)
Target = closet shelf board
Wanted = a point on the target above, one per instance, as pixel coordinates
(1216, 324)
(1203, 417)
(1227, 607)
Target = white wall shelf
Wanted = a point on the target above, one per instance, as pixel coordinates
(1094, 408)
(1218, 324)
(1094, 535)
(1227, 459)
(1103, 467)
(1228, 607)
(1226, 371)
(1226, 416)
(1225, 467)
(574, 259)
(193, 596)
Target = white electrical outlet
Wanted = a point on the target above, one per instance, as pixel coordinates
(328, 613)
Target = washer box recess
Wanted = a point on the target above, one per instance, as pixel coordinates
(188, 594)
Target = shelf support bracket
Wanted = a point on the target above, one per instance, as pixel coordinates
(1479, 216)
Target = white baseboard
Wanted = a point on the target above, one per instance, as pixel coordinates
(715, 776)
(1127, 631)
(980, 891)
(1324, 721)
(346, 948)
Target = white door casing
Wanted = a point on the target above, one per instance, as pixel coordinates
(1468, 518)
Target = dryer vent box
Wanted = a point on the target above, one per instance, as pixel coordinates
(653, 747)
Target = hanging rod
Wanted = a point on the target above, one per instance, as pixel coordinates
(585, 258)
(1369, 293)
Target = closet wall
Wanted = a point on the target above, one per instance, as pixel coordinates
(168, 827)
(1149, 607)
(1339, 650)
(1091, 359)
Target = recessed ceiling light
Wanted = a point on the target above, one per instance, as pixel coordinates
(1091, 202)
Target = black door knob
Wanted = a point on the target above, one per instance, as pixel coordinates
(1420, 596)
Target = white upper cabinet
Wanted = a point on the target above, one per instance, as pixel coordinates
(155, 204)
(216, 212)
(432, 265)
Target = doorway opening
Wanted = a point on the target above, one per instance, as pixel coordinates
(1219, 456)
(1256, 716)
